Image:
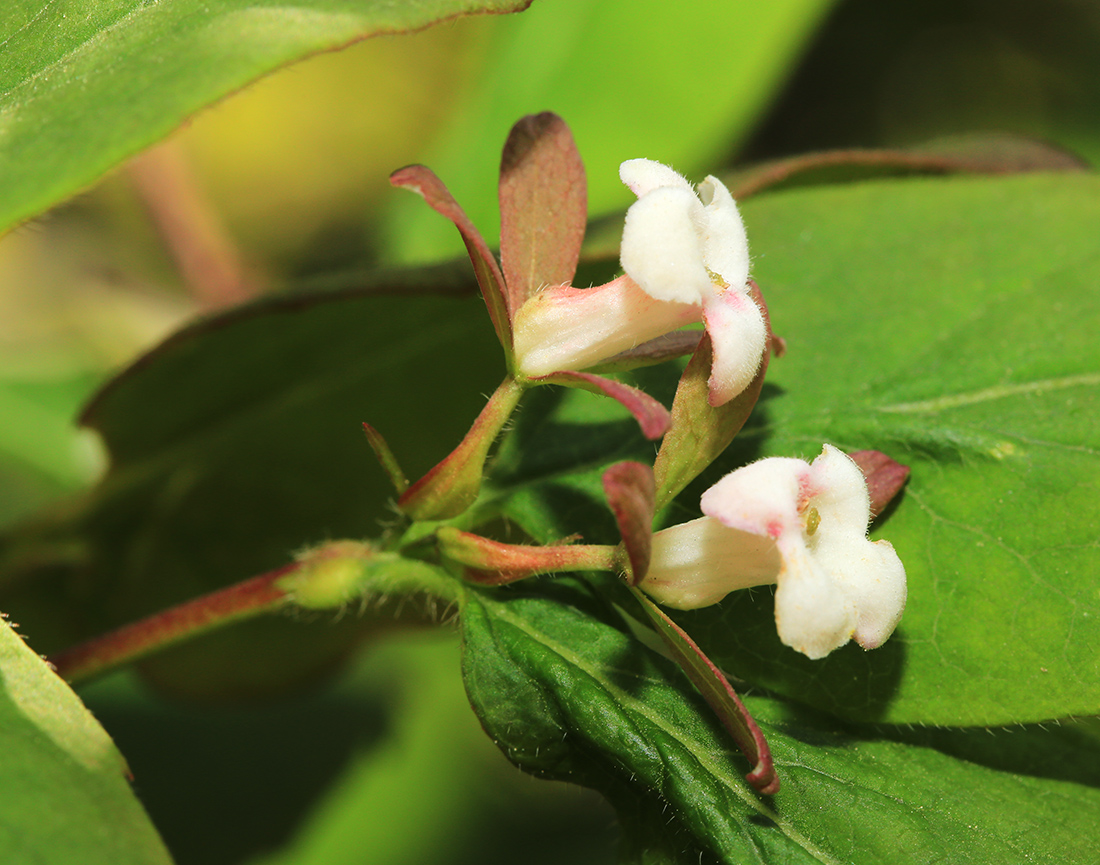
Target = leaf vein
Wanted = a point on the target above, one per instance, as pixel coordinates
(734, 784)
(991, 393)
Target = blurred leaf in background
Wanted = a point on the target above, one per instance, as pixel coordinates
(631, 77)
(89, 286)
(86, 86)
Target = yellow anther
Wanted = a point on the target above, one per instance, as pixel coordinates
(813, 520)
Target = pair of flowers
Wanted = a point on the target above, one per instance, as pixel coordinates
(685, 259)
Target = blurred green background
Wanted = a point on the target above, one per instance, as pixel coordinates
(292, 173)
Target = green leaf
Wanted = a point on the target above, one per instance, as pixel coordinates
(628, 84)
(567, 692)
(67, 799)
(950, 324)
(236, 443)
(85, 85)
(967, 315)
(41, 454)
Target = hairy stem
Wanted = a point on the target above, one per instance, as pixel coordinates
(244, 600)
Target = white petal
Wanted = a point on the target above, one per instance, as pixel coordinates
(761, 497)
(812, 614)
(698, 563)
(565, 328)
(869, 573)
(841, 490)
(738, 336)
(645, 175)
(661, 248)
(725, 244)
(882, 595)
(871, 576)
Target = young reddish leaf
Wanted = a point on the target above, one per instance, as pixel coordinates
(495, 563)
(422, 180)
(453, 484)
(386, 458)
(543, 206)
(652, 417)
(885, 477)
(718, 692)
(700, 432)
(630, 492)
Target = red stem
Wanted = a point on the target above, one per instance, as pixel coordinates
(190, 227)
(131, 642)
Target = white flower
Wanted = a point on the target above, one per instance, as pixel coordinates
(686, 260)
(802, 526)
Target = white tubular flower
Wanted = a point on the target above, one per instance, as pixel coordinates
(802, 526)
(684, 248)
(686, 260)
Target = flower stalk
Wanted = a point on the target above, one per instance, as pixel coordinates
(494, 563)
(325, 578)
(132, 642)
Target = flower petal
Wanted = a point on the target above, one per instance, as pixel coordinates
(813, 615)
(645, 175)
(875, 581)
(662, 250)
(696, 564)
(868, 572)
(839, 491)
(725, 244)
(739, 338)
(566, 328)
(761, 497)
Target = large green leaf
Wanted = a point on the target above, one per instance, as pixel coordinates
(630, 77)
(84, 85)
(951, 324)
(236, 443)
(66, 797)
(567, 692)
